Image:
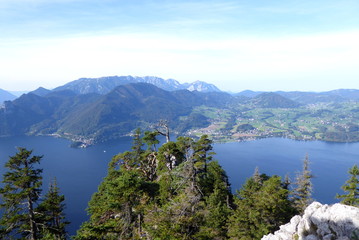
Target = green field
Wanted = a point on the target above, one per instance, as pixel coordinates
(322, 121)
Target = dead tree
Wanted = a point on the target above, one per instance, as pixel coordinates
(163, 129)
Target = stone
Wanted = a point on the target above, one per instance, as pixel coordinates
(327, 222)
(311, 237)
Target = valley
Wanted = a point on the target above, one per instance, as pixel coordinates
(335, 122)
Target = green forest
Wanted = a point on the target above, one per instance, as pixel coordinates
(171, 191)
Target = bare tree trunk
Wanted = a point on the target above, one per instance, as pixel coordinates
(33, 230)
(164, 132)
(30, 208)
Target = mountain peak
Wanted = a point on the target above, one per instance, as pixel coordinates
(41, 91)
(201, 86)
(273, 100)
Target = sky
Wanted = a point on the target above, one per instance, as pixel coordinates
(260, 45)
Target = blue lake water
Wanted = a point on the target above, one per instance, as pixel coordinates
(79, 171)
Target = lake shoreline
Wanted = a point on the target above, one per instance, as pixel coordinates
(83, 142)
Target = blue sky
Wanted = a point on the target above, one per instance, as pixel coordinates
(260, 45)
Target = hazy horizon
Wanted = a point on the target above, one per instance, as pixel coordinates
(20, 92)
(236, 45)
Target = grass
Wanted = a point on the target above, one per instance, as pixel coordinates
(306, 122)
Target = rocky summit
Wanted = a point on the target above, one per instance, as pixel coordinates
(327, 222)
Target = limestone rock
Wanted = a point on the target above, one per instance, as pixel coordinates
(327, 222)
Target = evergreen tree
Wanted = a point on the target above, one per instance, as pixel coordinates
(218, 201)
(51, 217)
(151, 140)
(137, 145)
(116, 209)
(22, 187)
(302, 193)
(351, 186)
(261, 207)
(202, 155)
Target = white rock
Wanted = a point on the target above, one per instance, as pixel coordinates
(319, 221)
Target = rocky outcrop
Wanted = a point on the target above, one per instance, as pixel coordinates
(327, 222)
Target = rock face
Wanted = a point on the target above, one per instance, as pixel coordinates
(319, 221)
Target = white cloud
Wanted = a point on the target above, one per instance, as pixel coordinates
(223, 61)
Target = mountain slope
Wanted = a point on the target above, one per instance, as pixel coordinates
(273, 100)
(139, 105)
(41, 91)
(6, 96)
(121, 110)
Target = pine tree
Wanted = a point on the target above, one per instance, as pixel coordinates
(117, 208)
(137, 145)
(351, 186)
(22, 187)
(302, 193)
(151, 140)
(261, 207)
(218, 203)
(51, 216)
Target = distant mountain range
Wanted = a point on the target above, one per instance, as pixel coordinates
(311, 97)
(104, 85)
(92, 110)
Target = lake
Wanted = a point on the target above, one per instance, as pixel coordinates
(79, 171)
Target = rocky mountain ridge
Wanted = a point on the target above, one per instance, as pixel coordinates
(104, 85)
(319, 221)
